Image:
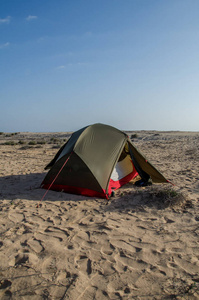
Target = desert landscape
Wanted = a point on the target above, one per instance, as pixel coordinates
(141, 244)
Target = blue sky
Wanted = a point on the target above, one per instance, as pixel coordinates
(133, 64)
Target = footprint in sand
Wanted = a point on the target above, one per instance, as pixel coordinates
(23, 229)
(24, 258)
(41, 222)
(15, 216)
(57, 232)
(35, 245)
(84, 263)
(49, 268)
(21, 259)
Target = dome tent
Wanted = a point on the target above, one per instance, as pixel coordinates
(96, 160)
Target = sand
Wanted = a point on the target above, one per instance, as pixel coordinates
(141, 244)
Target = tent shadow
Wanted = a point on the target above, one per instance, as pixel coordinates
(28, 187)
(23, 186)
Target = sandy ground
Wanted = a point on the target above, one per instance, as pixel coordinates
(138, 245)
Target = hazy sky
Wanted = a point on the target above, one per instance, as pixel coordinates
(133, 64)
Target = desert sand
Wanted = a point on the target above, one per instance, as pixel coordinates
(141, 244)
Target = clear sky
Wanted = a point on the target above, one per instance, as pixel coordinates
(65, 64)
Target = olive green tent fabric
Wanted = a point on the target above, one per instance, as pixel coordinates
(99, 146)
(66, 148)
(91, 154)
(75, 173)
(146, 166)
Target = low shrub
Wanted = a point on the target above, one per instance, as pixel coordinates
(21, 142)
(54, 141)
(41, 142)
(10, 143)
(171, 198)
(32, 143)
(134, 136)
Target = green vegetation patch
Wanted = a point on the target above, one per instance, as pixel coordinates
(169, 197)
(32, 143)
(21, 142)
(10, 143)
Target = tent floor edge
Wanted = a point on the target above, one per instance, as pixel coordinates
(76, 190)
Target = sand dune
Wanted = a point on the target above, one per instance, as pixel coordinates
(137, 245)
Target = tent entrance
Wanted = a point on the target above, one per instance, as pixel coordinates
(122, 169)
(123, 172)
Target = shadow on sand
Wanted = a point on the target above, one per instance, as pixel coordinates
(21, 186)
(27, 187)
